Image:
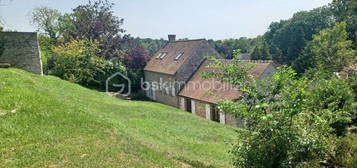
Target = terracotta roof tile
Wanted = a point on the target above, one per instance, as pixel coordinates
(168, 64)
(211, 90)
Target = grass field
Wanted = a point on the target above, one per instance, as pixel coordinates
(48, 122)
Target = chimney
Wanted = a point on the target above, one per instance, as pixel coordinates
(172, 37)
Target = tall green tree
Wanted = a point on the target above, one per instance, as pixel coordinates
(261, 52)
(330, 49)
(96, 21)
(288, 38)
(346, 11)
(226, 47)
(152, 45)
(47, 21)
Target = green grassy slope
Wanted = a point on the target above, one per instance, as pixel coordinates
(48, 122)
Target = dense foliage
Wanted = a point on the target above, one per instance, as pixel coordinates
(47, 21)
(77, 61)
(261, 52)
(226, 47)
(287, 38)
(330, 49)
(91, 22)
(95, 20)
(346, 11)
(289, 121)
(152, 45)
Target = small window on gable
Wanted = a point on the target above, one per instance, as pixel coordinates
(179, 55)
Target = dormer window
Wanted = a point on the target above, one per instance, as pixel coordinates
(179, 55)
(161, 55)
(158, 55)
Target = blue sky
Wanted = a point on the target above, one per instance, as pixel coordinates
(211, 19)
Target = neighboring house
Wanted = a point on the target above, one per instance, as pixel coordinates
(172, 66)
(200, 96)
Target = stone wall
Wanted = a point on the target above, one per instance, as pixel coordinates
(169, 96)
(21, 50)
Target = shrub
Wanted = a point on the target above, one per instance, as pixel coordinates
(289, 121)
(77, 61)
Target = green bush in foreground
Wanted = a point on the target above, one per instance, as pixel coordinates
(77, 61)
(290, 121)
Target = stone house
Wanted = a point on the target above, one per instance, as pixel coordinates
(172, 66)
(200, 96)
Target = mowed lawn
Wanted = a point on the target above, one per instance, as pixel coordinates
(48, 122)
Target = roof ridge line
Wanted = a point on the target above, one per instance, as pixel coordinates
(186, 40)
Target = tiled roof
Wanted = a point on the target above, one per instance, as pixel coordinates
(211, 90)
(168, 64)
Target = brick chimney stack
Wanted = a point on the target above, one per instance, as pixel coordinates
(172, 37)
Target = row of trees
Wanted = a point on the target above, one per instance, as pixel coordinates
(293, 41)
(88, 45)
(307, 36)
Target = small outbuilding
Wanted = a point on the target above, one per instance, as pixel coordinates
(200, 95)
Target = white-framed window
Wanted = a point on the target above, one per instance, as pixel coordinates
(180, 54)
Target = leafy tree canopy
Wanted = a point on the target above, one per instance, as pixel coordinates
(287, 38)
(47, 21)
(77, 61)
(330, 49)
(96, 21)
(261, 52)
(346, 11)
